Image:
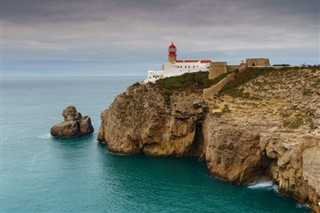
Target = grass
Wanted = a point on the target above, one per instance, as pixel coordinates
(167, 96)
(232, 88)
(310, 122)
(307, 92)
(314, 68)
(226, 109)
(192, 81)
(135, 84)
(198, 80)
(294, 123)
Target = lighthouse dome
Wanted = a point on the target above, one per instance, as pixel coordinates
(172, 49)
(172, 45)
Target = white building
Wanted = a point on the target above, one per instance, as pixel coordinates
(174, 67)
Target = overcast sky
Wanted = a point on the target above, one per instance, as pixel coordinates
(130, 37)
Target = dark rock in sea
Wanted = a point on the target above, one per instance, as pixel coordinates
(73, 125)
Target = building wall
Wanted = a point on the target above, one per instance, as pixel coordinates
(153, 76)
(174, 69)
(216, 69)
(210, 92)
(258, 62)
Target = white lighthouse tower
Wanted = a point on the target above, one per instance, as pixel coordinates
(174, 67)
(172, 53)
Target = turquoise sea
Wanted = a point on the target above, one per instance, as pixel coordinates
(43, 174)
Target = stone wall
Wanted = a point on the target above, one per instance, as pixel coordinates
(210, 92)
(231, 68)
(258, 62)
(216, 69)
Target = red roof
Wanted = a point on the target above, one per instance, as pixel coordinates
(193, 61)
(172, 45)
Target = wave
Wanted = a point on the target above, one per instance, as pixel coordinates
(303, 206)
(46, 136)
(275, 188)
(261, 184)
(268, 185)
(116, 153)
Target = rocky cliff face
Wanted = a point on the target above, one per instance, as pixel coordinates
(266, 126)
(140, 121)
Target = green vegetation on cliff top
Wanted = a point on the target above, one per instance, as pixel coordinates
(232, 88)
(199, 80)
(192, 81)
(196, 80)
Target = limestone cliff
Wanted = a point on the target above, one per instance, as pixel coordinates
(139, 121)
(268, 127)
(264, 124)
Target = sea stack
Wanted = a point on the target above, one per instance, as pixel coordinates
(74, 124)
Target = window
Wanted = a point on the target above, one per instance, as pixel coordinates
(185, 66)
(193, 66)
(189, 67)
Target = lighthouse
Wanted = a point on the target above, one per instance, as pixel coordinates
(174, 67)
(172, 53)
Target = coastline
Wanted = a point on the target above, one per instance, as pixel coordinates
(236, 148)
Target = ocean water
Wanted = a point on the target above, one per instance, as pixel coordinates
(43, 174)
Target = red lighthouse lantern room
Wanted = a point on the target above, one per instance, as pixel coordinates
(172, 53)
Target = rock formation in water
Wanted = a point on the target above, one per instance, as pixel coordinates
(265, 124)
(73, 125)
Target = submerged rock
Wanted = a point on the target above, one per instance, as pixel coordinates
(73, 125)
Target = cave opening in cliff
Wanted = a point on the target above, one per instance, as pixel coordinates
(197, 144)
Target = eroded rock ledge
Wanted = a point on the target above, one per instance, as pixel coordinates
(265, 127)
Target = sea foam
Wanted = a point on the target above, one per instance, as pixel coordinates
(303, 206)
(261, 184)
(45, 136)
(264, 185)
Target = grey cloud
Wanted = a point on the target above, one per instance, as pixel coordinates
(97, 30)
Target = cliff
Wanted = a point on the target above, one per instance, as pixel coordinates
(267, 126)
(264, 124)
(155, 120)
